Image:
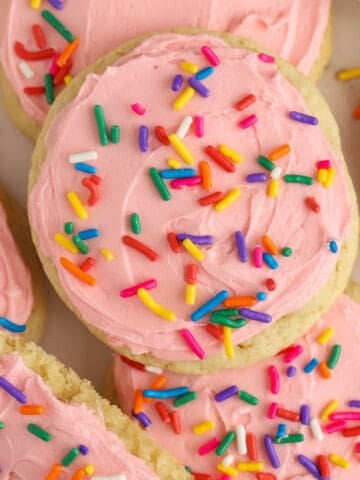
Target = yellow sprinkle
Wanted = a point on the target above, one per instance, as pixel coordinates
(273, 188)
(228, 343)
(189, 67)
(184, 98)
(36, 4)
(227, 470)
(250, 467)
(339, 461)
(181, 149)
(229, 198)
(325, 336)
(76, 204)
(67, 79)
(173, 163)
(190, 294)
(194, 251)
(203, 427)
(89, 469)
(65, 242)
(108, 254)
(155, 307)
(330, 177)
(322, 175)
(330, 408)
(230, 153)
(349, 74)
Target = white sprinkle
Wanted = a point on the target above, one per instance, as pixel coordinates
(276, 173)
(316, 429)
(184, 127)
(26, 70)
(83, 156)
(241, 439)
(228, 460)
(151, 369)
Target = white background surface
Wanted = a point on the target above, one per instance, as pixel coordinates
(65, 336)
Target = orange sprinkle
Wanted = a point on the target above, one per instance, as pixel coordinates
(77, 272)
(54, 472)
(79, 474)
(138, 401)
(240, 302)
(269, 245)
(31, 409)
(67, 53)
(279, 152)
(251, 446)
(356, 113)
(205, 174)
(156, 385)
(324, 370)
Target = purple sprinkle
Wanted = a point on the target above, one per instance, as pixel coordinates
(83, 449)
(199, 87)
(143, 418)
(310, 466)
(197, 239)
(354, 403)
(303, 118)
(291, 371)
(241, 246)
(12, 390)
(143, 138)
(305, 414)
(256, 177)
(177, 83)
(226, 393)
(57, 4)
(309, 367)
(253, 315)
(270, 450)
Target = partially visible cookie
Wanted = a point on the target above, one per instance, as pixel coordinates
(22, 282)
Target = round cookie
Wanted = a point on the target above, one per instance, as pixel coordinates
(55, 423)
(23, 296)
(298, 30)
(302, 398)
(307, 282)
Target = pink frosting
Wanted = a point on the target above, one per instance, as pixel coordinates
(291, 28)
(22, 455)
(310, 389)
(16, 295)
(145, 76)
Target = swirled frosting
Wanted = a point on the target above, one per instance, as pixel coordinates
(292, 28)
(145, 76)
(302, 389)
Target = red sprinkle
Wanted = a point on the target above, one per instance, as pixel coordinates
(220, 159)
(323, 464)
(94, 192)
(211, 199)
(87, 264)
(356, 113)
(34, 90)
(140, 247)
(215, 331)
(63, 71)
(161, 135)
(245, 102)
(174, 243)
(270, 284)
(132, 363)
(251, 446)
(27, 55)
(312, 204)
(191, 270)
(39, 35)
(175, 421)
(351, 432)
(201, 476)
(163, 412)
(288, 415)
(96, 179)
(265, 476)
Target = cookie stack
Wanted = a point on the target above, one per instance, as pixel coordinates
(190, 203)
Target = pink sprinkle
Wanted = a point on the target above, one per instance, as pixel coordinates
(335, 427)
(357, 447)
(345, 416)
(258, 257)
(199, 126)
(210, 55)
(186, 182)
(248, 121)
(137, 108)
(274, 380)
(293, 353)
(209, 446)
(323, 164)
(190, 340)
(129, 292)
(273, 409)
(264, 57)
(53, 70)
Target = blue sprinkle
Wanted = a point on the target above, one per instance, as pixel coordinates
(261, 296)
(291, 371)
(180, 173)
(88, 234)
(333, 246)
(84, 167)
(177, 83)
(270, 261)
(204, 73)
(11, 326)
(209, 305)
(309, 367)
(281, 430)
(170, 393)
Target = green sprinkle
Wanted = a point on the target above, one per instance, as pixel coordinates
(39, 432)
(266, 163)
(70, 457)
(295, 438)
(69, 227)
(227, 312)
(228, 322)
(188, 397)
(115, 133)
(225, 443)
(287, 251)
(135, 223)
(80, 244)
(188, 469)
(334, 356)
(2, 425)
(59, 27)
(49, 88)
(159, 184)
(298, 179)
(248, 398)
(101, 124)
